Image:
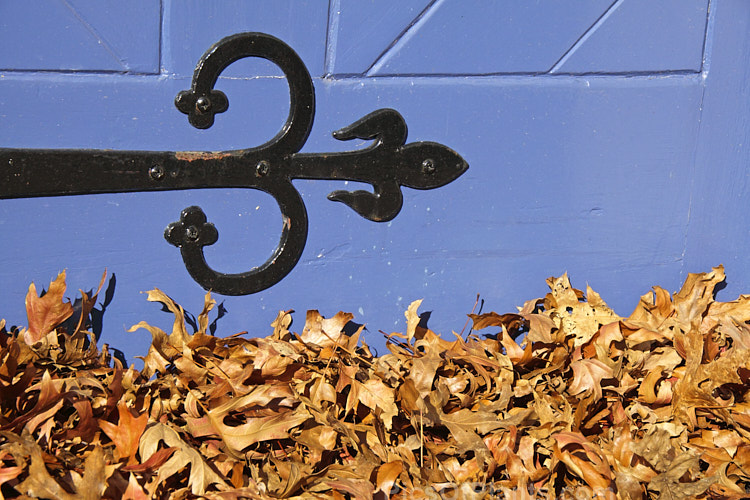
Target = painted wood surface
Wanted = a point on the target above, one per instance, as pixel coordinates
(608, 139)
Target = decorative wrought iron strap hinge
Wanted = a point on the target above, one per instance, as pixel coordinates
(388, 164)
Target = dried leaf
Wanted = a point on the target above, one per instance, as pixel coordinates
(387, 475)
(587, 377)
(584, 459)
(201, 474)
(134, 490)
(153, 463)
(671, 483)
(254, 430)
(95, 473)
(324, 332)
(46, 312)
(374, 394)
(39, 483)
(9, 474)
(412, 320)
(424, 366)
(126, 434)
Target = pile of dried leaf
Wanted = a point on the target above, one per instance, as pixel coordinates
(588, 405)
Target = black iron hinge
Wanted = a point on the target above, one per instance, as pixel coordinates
(388, 164)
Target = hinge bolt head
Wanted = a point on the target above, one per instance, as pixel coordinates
(262, 168)
(428, 166)
(192, 233)
(203, 104)
(156, 172)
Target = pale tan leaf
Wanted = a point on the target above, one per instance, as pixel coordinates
(270, 361)
(587, 377)
(208, 304)
(412, 320)
(259, 396)
(39, 483)
(479, 420)
(672, 484)
(254, 430)
(387, 475)
(693, 299)
(562, 294)
(653, 311)
(324, 332)
(647, 391)
(95, 473)
(179, 336)
(584, 459)
(201, 473)
(540, 328)
(322, 391)
(424, 366)
(374, 394)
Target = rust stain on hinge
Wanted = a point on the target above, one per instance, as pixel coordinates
(201, 155)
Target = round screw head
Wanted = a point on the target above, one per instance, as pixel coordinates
(156, 172)
(262, 168)
(428, 166)
(203, 104)
(192, 233)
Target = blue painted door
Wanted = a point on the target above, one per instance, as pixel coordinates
(605, 138)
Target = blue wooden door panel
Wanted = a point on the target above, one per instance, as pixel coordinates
(361, 31)
(487, 37)
(720, 194)
(612, 178)
(80, 35)
(589, 198)
(639, 36)
(194, 25)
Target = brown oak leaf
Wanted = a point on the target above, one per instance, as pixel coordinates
(46, 312)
